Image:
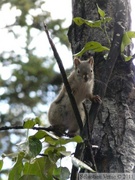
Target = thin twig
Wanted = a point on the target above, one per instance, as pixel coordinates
(21, 127)
(65, 81)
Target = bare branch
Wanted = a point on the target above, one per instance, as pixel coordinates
(4, 128)
(65, 81)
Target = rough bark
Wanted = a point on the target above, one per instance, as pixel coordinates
(114, 127)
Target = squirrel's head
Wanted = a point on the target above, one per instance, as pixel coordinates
(84, 69)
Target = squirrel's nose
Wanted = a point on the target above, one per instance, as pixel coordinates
(85, 77)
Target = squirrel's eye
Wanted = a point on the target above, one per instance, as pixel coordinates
(78, 71)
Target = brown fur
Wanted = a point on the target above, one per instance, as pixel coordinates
(81, 81)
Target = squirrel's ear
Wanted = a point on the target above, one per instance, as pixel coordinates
(91, 61)
(76, 62)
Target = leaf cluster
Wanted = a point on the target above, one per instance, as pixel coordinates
(33, 162)
(94, 46)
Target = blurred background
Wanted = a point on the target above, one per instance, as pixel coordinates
(29, 76)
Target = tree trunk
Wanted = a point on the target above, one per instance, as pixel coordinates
(113, 130)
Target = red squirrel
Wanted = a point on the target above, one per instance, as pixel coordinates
(81, 81)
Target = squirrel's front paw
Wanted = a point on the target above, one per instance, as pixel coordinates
(97, 99)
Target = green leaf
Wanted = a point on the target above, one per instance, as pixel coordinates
(54, 156)
(57, 153)
(1, 164)
(54, 153)
(29, 177)
(77, 139)
(106, 19)
(41, 167)
(35, 146)
(51, 140)
(92, 46)
(79, 21)
(61, 173)
(126, 39)
(127, 58)
(30, 123)
(61, 149)
(63, 141)
(36, 168)
(49, 149)
(54, 149)
(40, 134)
(131, 34)
(31, 147)
(101, 12)
(16, 171)
(51, 135)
